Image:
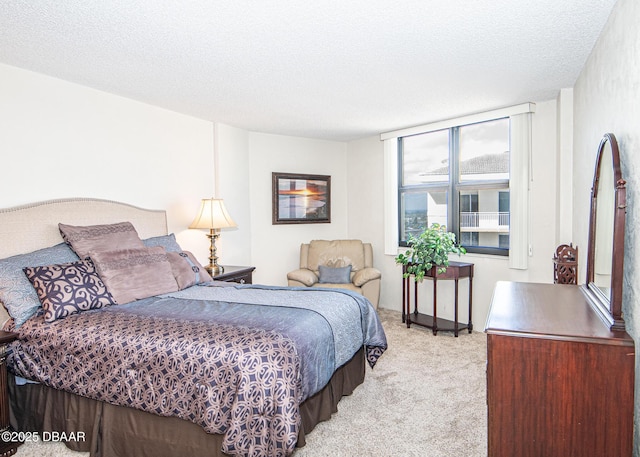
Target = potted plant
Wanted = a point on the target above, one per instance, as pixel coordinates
(431, 248)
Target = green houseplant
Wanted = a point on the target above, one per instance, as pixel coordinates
(431, 248)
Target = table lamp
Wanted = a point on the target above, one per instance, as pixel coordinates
(213, 216)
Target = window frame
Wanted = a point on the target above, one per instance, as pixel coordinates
(520, 171)
(453, 187)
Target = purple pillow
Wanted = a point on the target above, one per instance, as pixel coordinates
(187, 270)
(107, 237)
(133, 274)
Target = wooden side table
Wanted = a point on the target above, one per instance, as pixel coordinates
(7, 448)
(242, 275)
(454, 271)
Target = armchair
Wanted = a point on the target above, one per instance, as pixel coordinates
(344, 264)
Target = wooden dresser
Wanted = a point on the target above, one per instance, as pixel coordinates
(559, 382)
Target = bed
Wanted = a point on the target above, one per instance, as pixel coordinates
(204, 368)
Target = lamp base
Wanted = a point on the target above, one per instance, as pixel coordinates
(214, 270)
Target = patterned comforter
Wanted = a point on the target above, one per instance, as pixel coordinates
(238, 361)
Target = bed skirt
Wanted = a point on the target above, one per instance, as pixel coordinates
(118, 431)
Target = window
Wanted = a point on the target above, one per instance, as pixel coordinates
(519, 119)
(459, 177)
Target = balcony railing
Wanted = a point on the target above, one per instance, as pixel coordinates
(484, 221)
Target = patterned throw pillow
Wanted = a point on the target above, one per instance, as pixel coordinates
(16, 292)
(328, 275)
(86, 239)
(187, 270)
(68, 288)
(134, 274)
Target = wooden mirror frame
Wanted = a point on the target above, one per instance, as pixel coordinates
(609, 308)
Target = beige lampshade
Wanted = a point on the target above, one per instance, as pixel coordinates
(212, 215)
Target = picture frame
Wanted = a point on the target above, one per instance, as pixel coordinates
(301, 198)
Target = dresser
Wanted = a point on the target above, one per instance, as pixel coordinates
(559, 382)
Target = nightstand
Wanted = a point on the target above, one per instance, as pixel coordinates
(242, 275)
(6, 448)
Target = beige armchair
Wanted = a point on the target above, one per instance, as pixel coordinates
(344, 264)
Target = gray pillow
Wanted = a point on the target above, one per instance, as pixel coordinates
(168, 242)
(328, 275)
(16, 292)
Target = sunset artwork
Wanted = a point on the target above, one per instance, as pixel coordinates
(301, 198)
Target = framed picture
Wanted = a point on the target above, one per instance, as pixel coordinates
(301, 199)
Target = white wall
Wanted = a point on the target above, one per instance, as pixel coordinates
(275, 248)
(564, 167)
(245, 161)
(606, 99)
(233, 185)
(60, 140)
(366, 170)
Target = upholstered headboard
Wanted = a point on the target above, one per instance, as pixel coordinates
(34, 226)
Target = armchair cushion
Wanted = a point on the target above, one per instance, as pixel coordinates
(365, 275)
(336, 253)
(306, 277)
(329, 275)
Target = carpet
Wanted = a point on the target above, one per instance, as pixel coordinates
(426, 397)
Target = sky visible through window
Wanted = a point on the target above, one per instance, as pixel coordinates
(484, 154)
(426, 156)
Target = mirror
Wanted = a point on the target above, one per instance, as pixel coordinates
(605, 254)
(603, 244)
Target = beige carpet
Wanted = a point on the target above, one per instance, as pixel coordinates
(425, 397)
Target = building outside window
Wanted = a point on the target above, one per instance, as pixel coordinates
(458, 177)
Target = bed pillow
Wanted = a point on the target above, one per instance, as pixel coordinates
(16, 292)
(133, 274)
(168, 242)
(95, 238)
(68, 288)
(187, 270)
(328, 275)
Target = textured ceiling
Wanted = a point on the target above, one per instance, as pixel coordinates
(334, 69)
